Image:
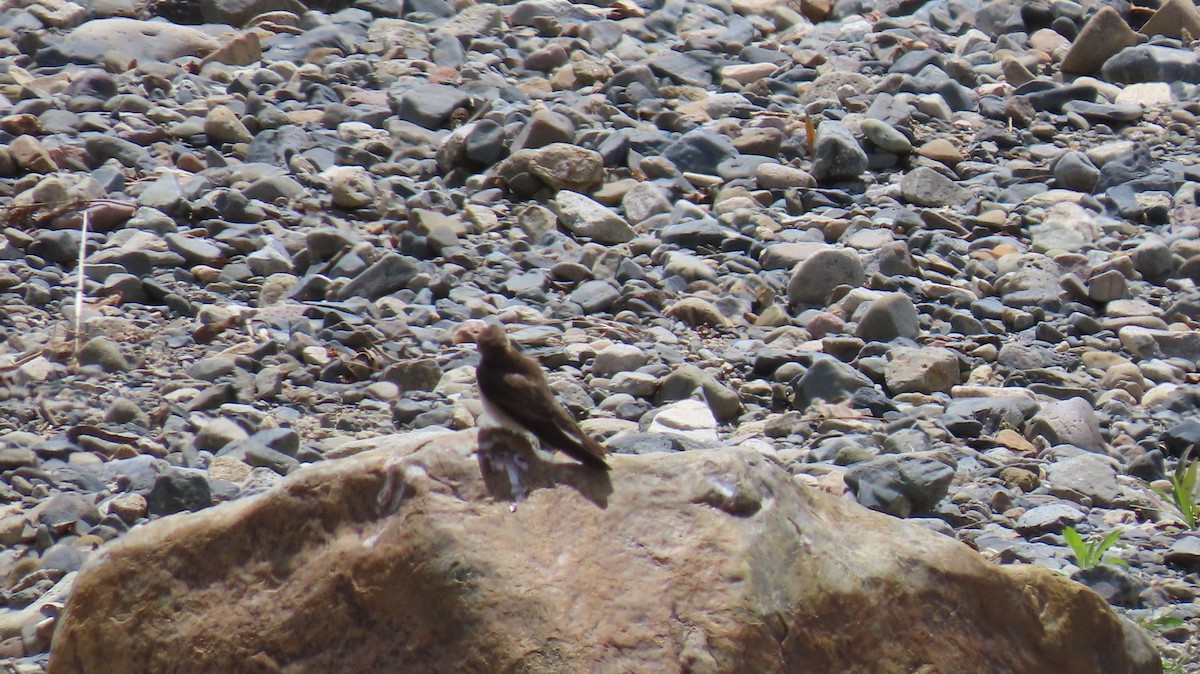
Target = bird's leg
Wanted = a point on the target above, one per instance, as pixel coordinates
(501, 451)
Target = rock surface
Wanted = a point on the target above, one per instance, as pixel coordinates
(714, 561)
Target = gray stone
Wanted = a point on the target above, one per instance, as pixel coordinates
(1087, 476)
(1074, 171)
(104, 352)
(1152, 63)
(388, 274)
(585, 217)
(904, 484)
(643, 201)
(1184, 553)
(595, 296)
(684, 381)
(889, 317)
(351, 187)
(421, 374)
(427, 105)
(1066, 227)
(830, 380)
(1071, 422)
(193, 249)
(886, 137)
(177, 490)
(149, 41)
(699, 151)
(1049, 518)
(618, 358)
(837, 155)
(1116, 584)
(1107, 286)
(814, 279)
(924, 186)
(1155, 343)
(1153, 260)
(971, 417)
(545, 127)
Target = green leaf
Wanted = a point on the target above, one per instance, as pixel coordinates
(1081, 550)
(1109, 540)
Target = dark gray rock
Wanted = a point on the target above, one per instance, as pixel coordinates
(178, 489)
(902, 485)
(1074, 171)
(1116, 584)
(388, 274)
(837, 156)
(828, 379)
(889, 317)
(427, 105)
(1152, 63)
(699, 151)
(970, 417)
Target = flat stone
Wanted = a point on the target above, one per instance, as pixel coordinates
(1050, 518)
(1086, 476)
(926, 370)
(886, 137)
(585, 217)
(902, 485)
(925, 187)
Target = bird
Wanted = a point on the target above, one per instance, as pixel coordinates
(516, 396)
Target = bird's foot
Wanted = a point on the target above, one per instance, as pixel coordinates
(512, 466)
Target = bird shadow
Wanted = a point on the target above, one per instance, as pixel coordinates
(512, 470)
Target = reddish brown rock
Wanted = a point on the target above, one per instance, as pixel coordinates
(405, 559)
(30, 154)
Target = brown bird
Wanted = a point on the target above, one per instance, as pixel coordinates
(517, 397)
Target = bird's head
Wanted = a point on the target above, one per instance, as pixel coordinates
(488, 337)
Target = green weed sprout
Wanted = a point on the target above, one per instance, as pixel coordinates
(1091, 553)
(1183, 489)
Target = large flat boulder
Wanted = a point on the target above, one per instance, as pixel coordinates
(407, 557)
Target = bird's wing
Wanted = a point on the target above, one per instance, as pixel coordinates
(528, 400)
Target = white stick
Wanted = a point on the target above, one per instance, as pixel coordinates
(79, 286)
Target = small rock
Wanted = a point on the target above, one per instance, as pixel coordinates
(886, 137)
(689, 418)
(104, 352)
(221, 125)
(925, 370)
(128, 507)
(925, 187)
(889, 317)
(814, 279)
(1049, 518)
(837, 155)
(582, 216)
(902, 485)
(178, 489)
